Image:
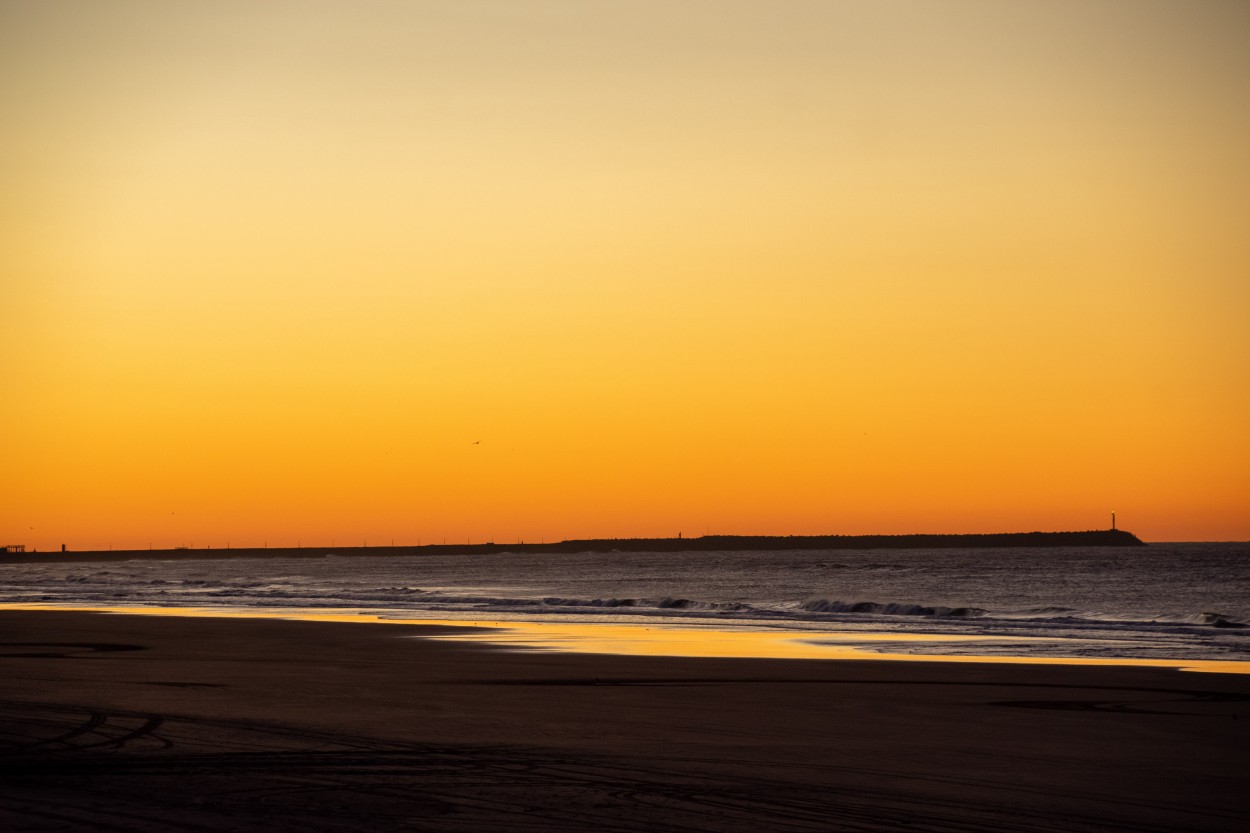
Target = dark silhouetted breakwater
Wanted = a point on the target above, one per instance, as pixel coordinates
(707, 543)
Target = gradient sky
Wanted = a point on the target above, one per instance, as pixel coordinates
(369, 271)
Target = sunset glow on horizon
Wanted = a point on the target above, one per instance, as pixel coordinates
(497, 271)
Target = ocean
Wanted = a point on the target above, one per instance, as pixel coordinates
(1185, 601)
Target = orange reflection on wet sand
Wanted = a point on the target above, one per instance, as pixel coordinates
(690, 642)
(638, 640)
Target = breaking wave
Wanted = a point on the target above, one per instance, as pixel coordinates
(108, 587)
(889, 609)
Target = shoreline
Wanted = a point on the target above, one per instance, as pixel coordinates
(671, 639)
(150, 723)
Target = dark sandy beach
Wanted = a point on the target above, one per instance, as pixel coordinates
(111, 722)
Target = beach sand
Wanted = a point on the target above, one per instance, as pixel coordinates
(143, 723)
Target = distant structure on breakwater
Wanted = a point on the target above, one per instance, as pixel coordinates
(707, 543)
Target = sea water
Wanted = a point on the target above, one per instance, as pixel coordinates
(1165, 601)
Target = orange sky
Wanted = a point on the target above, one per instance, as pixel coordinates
(374, 271)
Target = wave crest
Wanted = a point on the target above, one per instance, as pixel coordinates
(890, 609)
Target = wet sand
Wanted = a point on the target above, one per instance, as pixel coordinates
(143, 723)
